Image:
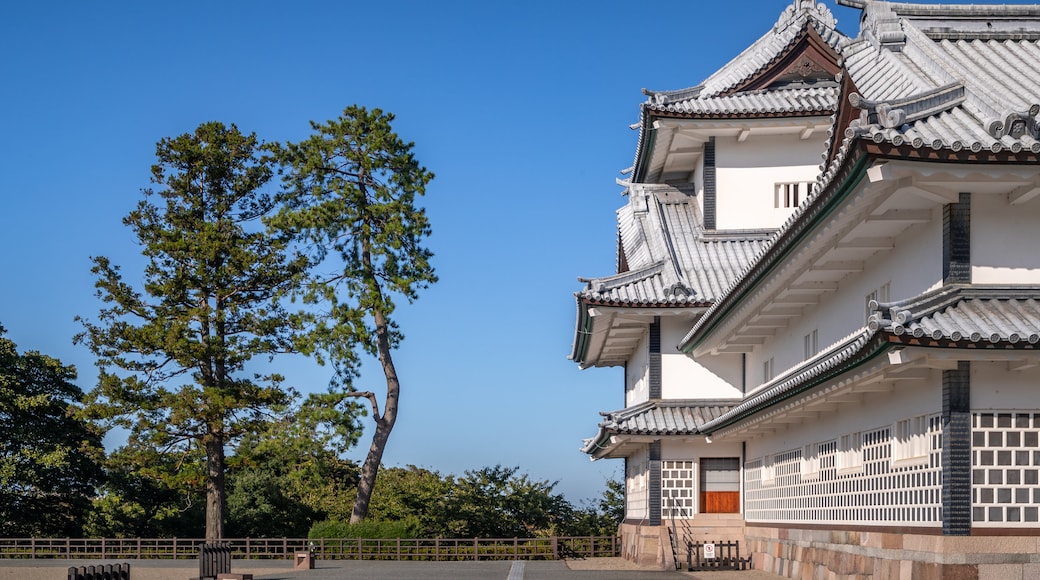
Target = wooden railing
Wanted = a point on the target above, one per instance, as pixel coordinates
(552, 548)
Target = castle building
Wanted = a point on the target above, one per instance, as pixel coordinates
(827, 301)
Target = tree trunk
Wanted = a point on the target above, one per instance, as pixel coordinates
(216, 498)
(384, 424)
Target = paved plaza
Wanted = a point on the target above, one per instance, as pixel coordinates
(598, 568)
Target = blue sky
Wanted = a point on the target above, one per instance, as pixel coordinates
(521, 109)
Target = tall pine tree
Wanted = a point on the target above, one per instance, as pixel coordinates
(351, 192)
(176, 355)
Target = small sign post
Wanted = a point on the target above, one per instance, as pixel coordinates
(709, 551)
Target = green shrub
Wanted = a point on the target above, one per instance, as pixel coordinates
(406, 528)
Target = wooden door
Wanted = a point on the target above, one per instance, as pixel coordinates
(720, 485)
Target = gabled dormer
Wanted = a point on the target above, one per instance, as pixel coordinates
(748, 139)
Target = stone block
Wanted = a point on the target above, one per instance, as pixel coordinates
(891, 541)
(926, 571)
(1000, 572)
(960, 572)
(923, 543)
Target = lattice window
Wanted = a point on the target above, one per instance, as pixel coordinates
(790, 194)
(911, 443)
(879, 493)
(850, 453)
(812, 458)
(1006, 469)
(678, 493)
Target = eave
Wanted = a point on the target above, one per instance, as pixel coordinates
(933, 331)
(608, 332)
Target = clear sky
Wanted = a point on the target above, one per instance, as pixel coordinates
(521, 109)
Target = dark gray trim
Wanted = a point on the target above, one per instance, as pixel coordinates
(655, 358)
(653, 496)
(956, 450)
(957, 241)
(710, 189)
(743, 373)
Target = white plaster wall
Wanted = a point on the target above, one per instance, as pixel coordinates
(994, 387)
(746, 174)
(695, 448)
(637, 381)
(637, 485)
(909, 399)
(683, 377)
(912, 267)
(1003, 241)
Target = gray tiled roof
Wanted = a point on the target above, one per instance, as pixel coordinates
(814, 99)
(830, 359)
(772, 44)
(665, 417)
(671, 259)
(970, 315)
(658, 417)
(965, 314)
(968, 84)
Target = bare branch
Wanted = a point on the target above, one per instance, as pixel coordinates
(371, 398)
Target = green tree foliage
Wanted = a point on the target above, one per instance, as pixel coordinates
(173, 354)
(147, 495)
(499, 502)
(293, 474)
(602, 517)
(48, 457)
(413, 494)
(351, 192)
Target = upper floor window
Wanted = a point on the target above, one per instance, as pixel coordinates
(812, 344)
(790, 194)
(767, 370)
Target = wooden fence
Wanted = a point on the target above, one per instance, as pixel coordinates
(552, 548)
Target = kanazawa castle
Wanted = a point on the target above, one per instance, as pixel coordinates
(827, 301)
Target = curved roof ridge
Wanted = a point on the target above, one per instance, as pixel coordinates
(605, 283)
(833, 357)
(762, 52)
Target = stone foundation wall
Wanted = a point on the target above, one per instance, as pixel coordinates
(864, 555)
(650, 545)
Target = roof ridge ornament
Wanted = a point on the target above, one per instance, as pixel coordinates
(791, 14)
(881, 24)
(894, 114)
(1016, 124)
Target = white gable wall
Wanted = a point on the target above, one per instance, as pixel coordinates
(747, 173)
